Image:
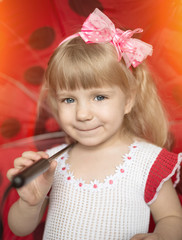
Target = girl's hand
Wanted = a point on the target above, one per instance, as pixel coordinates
(147, 236)
(34, 192)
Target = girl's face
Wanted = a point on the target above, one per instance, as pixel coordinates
(93, 117)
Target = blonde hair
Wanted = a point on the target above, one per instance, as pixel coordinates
(76, 64)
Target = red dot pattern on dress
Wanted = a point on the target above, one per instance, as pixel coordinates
(111, 182)
(122, 170)
(64, 168)
(69, 178)
(95, 186)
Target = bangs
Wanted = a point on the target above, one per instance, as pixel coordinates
(78, 65)
(77, 71)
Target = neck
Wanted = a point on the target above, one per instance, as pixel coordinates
(126, 140)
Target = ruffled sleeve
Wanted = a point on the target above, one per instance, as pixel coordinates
(164, 167)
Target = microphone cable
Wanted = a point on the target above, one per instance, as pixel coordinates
(5, 195)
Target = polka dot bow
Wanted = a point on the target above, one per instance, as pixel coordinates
(98, 28)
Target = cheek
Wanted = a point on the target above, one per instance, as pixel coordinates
(115, 110)
(65, 123)
(112, 117)
(64, 116)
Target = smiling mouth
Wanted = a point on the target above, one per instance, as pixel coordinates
(87, 130)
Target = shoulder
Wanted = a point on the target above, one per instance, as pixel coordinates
(147, 148)
(157, 156)
(146, 154)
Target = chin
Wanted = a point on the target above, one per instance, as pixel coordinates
(90, 142)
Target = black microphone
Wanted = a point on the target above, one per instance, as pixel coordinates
(36, 169)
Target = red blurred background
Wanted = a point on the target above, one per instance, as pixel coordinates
(31, 30)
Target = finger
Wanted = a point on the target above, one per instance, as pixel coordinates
(43, 154)
(139, 237)
(11, 172)
(35, 155)
(145, 236)
(22, 162)
(50, 172)
(28, 158)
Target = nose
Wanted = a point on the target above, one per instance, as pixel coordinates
(84, 112)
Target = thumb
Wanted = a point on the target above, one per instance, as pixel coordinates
(50, 172)
(140, 236)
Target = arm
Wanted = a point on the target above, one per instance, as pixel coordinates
(167, 214)
(26, 213)
(24, 218)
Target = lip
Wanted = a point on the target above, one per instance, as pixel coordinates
(88, 129)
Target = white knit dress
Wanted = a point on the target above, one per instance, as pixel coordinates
(118, 208)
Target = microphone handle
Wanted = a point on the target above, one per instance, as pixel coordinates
(33, 171)
(30, 173)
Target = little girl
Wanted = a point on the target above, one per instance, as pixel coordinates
(118, 169)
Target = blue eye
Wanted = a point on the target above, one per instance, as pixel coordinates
(69, 100)
(99, 98)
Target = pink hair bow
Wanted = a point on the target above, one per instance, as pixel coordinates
(98, 28)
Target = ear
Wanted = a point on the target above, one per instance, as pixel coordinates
(130, 101)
